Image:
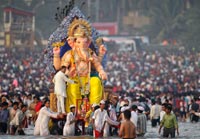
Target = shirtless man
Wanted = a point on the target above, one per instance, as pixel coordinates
(127, 128)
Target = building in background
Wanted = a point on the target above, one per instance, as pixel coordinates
(106, 28)
(19, 27)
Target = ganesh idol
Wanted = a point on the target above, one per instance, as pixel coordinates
(80, 61)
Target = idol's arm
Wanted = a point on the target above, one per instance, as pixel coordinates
(99, 67)
(56, 61)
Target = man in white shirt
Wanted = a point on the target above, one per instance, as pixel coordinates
(134, 116)
(155, 113)
(101, 122)
(41, 125)
(99, 119)
(69, 128)
(12, 113)
(17, 121)
(60, 80)
(162, 112)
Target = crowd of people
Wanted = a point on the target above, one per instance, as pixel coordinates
(23, 72)
(172, 71)
(149, 85)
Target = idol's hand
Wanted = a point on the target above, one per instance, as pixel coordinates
(72, 72)
(103, 75)
(56, 50)
(102, 50)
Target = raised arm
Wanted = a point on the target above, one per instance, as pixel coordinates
(99, 67)
(66, 61)
(56, 58)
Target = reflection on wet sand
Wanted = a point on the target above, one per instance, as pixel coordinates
(187, 131)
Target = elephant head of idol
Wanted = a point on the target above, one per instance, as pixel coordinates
(79, 37)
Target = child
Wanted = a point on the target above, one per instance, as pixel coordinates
(169, 122)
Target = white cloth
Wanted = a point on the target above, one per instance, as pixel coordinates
(99, 119)
(106, 131)
(113, 115)
(162, 113)
(69, 129)
(60, 104)
(19, 117)
(155, 111)
(60, 80)
(134, 118)
(41, 124)
(12, 113)
(28, 102)
(109, 121)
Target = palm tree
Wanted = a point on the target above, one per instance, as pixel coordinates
(164, 18)
(190, 35)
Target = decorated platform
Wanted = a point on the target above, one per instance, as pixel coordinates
(78, 46)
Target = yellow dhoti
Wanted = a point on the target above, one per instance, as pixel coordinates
(74, 93)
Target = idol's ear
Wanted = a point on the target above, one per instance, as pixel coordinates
(89, 42)
(99, 41)
(70, 41)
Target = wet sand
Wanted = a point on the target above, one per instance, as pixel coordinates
(187, 130)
